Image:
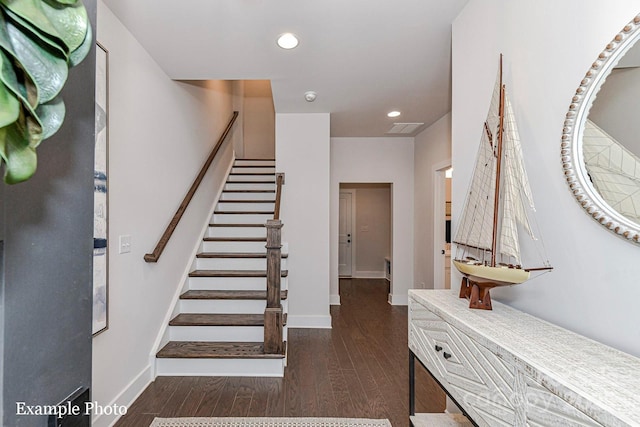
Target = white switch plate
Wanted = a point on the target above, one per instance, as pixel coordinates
(125, 243)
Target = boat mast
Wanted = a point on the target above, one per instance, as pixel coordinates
(496, 202)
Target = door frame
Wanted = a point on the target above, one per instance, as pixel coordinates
(439, 199)
(353, 192)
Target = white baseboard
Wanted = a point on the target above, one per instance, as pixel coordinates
(368, 274)
(334, 299)
(125, 398)
(308, 322)
(398, 299)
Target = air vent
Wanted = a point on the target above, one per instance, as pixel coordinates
(404, 128)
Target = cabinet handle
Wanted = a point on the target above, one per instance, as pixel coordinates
(446, 355)
(438, 348)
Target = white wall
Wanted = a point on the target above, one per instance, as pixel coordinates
(548, 47)
(161, 131)
(432, 152)
(259, 120)
(302, 147)
(381, 160)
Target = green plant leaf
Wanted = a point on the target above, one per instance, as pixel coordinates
(55, 44)
(51, 116)
(66, 1)
(78, 55)
(20, 158)
(9, 104)
(67, 23)
(49, 72)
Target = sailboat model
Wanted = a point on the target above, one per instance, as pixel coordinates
(497, 211)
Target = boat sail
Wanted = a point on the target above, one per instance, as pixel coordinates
(496, 210)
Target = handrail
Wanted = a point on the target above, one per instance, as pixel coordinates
(279, 183)
(164, 239)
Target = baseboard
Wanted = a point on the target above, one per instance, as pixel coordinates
(368, 274)
(125, 398)
(398, 299)
(334, 299)
(308, 322)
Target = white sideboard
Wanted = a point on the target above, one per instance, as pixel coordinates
(507, 368)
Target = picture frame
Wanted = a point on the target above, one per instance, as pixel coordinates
(100, 321)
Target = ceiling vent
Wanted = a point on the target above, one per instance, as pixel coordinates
(404, 128)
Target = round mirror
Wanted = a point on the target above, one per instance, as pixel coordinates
(601, 137)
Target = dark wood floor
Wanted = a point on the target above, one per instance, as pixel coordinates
(357, 369)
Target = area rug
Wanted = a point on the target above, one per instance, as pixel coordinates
(268, 422)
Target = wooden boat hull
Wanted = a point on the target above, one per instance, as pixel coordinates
(496, 276)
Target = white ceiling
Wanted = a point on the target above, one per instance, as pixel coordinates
(363, 57)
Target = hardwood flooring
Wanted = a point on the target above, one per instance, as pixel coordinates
(358, 369)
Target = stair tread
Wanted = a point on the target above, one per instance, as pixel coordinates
(233, 273)
(252, 173)
(215, 350)
(250, 182)
(243, 212)
(236, 225)
(217, 319)
(254, 166)
(255, 160)
(235, 255)
(249, 191)
(235, 239)
(228, 295)
(246, 201)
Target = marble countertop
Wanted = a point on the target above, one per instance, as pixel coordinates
(601, 381)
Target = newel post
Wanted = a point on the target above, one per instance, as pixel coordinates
(273, 319)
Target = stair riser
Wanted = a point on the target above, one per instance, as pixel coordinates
(253, 177)
(232, 283)
(249, 186)
(241, 218)
(218, 333)
(233, 247)
(240, 163)
(266, 169)
(231, 206)
(221, 367)
(247, 196)
(237, 232)
(223, 306)
(235, 263)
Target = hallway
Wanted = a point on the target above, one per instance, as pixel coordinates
(357, 369)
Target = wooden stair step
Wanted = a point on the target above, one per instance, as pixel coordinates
(255, 160)
(236, 225)
(245, 201)
(229, 295)
(252, 173)
(209, 319)
(250, 182)
(215, 350)
(250, 255)
(249, 191)
(233, 273)
(235, 239)
(253, 166)
(243, 212)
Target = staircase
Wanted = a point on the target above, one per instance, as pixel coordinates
(219, 326)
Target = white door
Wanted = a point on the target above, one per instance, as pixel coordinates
(345, 240)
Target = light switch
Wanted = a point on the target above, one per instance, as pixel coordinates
(125, 243)
(364, 228)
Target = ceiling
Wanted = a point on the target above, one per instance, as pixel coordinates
(362, 57)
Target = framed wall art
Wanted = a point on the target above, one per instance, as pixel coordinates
(100, 198)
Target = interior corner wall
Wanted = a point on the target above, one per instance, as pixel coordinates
(593, 287)
(432, 150)
(259, 120)
(302, 144)
(379, 160)
(46, 233)
(160, 133)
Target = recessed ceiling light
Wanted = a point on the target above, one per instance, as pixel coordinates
(393, 113)
(287, 41)
(310, 96)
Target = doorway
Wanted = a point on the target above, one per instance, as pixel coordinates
(442, 226)
(364, 230)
